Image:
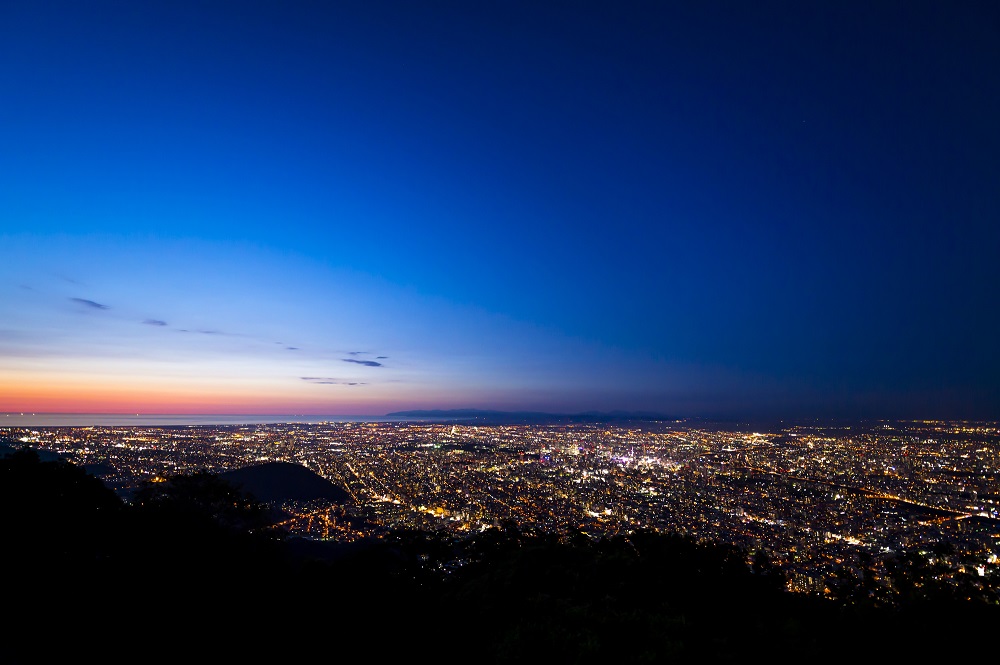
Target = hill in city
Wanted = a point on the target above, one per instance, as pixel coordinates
(280, 482)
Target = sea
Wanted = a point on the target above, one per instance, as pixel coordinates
(26, 419)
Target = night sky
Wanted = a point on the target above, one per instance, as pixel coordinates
(733, 209)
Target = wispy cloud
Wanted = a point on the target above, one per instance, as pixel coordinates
(330, 381)
(89, 303)
(366, 363)
(154, 322)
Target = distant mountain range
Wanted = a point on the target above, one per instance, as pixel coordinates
(497, 417)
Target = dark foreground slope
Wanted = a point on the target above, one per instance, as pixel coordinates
(189, 571)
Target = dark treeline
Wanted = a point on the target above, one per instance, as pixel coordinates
(191, 569)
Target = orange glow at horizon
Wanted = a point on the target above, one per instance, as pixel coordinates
(75, 395)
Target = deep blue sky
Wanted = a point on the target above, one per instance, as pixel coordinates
(700, 208)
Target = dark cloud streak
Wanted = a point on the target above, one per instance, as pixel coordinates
(330, 381)
(90, 303)
(366, 363)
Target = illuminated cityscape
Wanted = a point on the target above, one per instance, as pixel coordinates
(819, 501)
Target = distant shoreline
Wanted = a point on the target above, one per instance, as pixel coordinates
(163, 420)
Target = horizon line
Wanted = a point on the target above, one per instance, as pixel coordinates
(465, 413)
